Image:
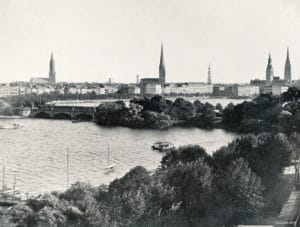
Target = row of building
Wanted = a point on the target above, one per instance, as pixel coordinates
(169, 89)
(19, 89)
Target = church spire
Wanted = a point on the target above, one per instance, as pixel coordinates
(162, 67)
(209, 75)
(269, 71)
(52, 73)
(287, 69)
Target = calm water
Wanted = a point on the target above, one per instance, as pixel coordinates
(37, 152)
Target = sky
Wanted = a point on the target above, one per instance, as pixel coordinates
(93, 40)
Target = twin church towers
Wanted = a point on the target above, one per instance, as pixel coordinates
(287, 71)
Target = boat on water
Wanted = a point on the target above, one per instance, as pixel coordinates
(162, 146)
(76, 120)
(9, 196)
(110, 167)
(11, 126)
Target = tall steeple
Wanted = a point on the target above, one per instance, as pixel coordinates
(162, 67)
(209, 75)
(52, 73)
(287, 69)
(269, 71)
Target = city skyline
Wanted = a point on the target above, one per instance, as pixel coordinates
(99, 40)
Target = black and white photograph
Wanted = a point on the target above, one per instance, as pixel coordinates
(150, 113)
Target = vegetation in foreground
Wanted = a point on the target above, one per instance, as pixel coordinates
(190, 188)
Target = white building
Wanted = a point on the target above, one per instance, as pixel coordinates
(245, 90)
(275, 90)
(83, 90)
(199, 88)
(175, 88)
(188, 88)
(8, 90)
(153, 89)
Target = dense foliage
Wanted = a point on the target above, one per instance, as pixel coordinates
(266, 113)
(157, 112)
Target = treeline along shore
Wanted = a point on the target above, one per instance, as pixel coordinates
(158, 112)
(240, 183)
(264, 113)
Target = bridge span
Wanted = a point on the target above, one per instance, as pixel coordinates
(70, 109)
(64, 112)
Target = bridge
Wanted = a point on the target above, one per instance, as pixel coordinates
(70, 109)
(64, 112)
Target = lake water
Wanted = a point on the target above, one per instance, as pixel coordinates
(37, 153)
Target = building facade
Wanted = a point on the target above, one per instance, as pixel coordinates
(152, 89)
(244, 90)
(188, 88)
(273, 89)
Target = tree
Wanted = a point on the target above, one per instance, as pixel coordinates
(129, 196)
(184, 154)
(219, 107)
(156, 120)
(108, 113)
(292, 94)
(237, 193)
(192, 184)
(267, 154)
(131, 117)
(199, 106)
(22, 215)
(183, 109)
(48, 216)
(84, 209)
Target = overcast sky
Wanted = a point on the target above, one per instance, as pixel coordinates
(93, 40)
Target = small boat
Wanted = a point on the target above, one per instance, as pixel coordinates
(162, 146)
(11, 126)
(110, 167)
(9, 196)
(76, 120)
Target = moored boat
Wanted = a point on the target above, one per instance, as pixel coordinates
(162, 146)
(9, 196)
(76, 120)
(11, 126)
(110, 167)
